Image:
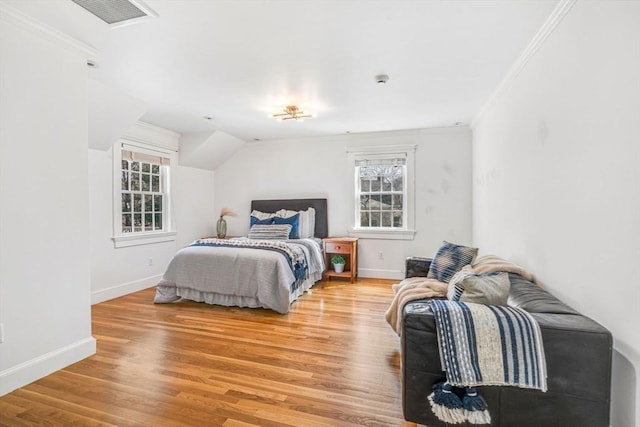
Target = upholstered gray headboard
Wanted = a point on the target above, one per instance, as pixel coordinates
(320, 205)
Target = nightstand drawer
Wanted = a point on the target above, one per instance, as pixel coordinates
(337, 248)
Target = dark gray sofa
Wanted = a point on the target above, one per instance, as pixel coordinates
(578, 354)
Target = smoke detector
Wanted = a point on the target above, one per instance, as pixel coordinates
(381, 79)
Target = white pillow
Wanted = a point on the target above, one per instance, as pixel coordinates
(487, 288)
(312, 222)
(307, 221)
(262, 215)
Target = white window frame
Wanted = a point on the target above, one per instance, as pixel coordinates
(358, 154)
(168, 233)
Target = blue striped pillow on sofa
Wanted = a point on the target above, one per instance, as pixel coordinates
(450, 259)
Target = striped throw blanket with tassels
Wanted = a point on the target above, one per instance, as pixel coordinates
(483, 345)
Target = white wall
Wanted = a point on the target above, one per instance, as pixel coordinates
(193, 202)
(556, 177)
(317, 167)
(116, 272)
(44, 217)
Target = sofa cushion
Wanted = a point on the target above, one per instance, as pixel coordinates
(450, 259)
(417, 266)
(488, 288)
(532, 298)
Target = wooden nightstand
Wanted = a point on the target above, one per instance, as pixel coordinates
(348, 248)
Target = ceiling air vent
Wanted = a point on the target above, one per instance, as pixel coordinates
(117, 12)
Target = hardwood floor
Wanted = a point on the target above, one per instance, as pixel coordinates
(332, 361)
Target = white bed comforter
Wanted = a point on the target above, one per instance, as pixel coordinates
(238, 276)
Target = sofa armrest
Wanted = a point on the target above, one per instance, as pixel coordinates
(417, 267)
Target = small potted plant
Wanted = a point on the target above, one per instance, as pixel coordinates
(338, 263)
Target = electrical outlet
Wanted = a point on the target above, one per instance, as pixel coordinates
(149, 262)
(380, 255)
(1, 332)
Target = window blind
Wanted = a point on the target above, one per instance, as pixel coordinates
(132, 152)
(397, 161)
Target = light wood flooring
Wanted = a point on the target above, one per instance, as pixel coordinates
(332, 361)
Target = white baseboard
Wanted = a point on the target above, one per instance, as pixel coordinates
(124, 289)
(374, 273)
(41, 366)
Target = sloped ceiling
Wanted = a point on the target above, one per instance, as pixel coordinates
(207, 150)
(111, 113)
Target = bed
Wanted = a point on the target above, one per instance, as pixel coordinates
(253, 271)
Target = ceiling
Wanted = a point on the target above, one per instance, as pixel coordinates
(240, 61)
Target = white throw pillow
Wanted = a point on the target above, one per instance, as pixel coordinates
(312, 222)
(487, 288)
(307, 222)
(262, 215)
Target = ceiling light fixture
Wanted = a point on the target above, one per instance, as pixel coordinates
(291, 112)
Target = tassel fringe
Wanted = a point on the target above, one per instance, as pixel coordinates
(455, 405)
(446, 405)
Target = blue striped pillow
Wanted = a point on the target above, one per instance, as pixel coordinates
(450, 259)
(270, 232)
(295, 225)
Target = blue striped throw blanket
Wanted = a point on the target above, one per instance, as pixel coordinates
(483, 345)
(489, 345)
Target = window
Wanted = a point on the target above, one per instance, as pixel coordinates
(143, 180)
(141, 201)
(383, 191)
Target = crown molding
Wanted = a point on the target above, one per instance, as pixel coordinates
(562, 8)
(371, 135)
(19, 19)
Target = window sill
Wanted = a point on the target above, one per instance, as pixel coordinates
(127, 240)
(382, 234)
